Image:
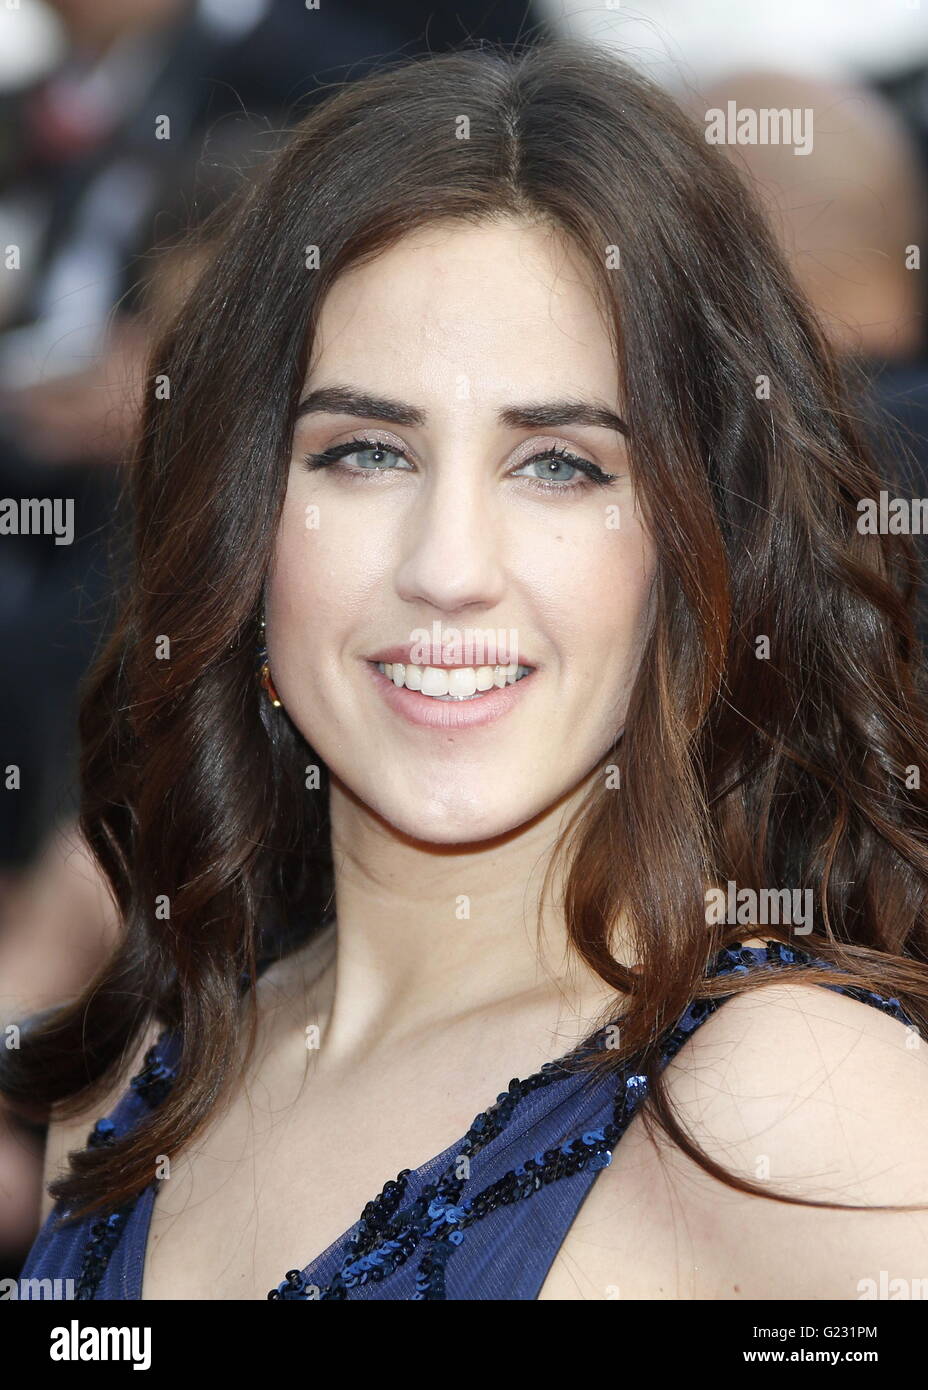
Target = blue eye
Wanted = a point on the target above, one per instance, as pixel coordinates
(556, 459)
(356, 446)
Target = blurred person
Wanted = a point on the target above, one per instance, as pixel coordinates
(845, 211)
(330, 832)
(97, 141)
(851, 216)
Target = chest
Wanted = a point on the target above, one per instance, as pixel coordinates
(280, 1175)
(287, 1169)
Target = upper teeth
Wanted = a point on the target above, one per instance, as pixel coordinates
(457, 682)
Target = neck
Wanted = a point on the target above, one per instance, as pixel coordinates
(429, 933)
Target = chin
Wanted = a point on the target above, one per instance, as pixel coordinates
(445, 821)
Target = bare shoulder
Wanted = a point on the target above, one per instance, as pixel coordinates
(66, 1135)
(769, 1053)
(806, 1092)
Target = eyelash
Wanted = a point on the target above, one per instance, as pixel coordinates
(594, 476)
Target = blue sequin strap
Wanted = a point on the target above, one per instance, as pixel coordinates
(151, 1085)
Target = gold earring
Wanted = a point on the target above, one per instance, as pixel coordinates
(269, 686)
(264, 671)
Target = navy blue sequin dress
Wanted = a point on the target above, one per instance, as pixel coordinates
(483, 1220)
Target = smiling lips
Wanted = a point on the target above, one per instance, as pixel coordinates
(437, 693)
(458, 702)
(452, 682)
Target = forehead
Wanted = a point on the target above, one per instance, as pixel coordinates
(505, 304)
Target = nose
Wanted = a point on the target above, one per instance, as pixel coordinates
(453, 542)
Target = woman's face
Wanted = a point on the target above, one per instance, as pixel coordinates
(475, 342)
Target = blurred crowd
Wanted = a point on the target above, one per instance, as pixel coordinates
(93, 205)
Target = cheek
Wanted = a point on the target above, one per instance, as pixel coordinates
(593, 586)
(610, 629)
(626, 565)
(325, 571)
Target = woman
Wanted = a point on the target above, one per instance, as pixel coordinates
(503, 677)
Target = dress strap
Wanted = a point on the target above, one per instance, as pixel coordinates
(148, 1089)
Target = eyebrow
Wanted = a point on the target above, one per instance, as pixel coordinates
(344, 400)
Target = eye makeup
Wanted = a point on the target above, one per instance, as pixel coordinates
(591, 474)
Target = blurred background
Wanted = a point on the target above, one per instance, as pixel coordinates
(95, 193)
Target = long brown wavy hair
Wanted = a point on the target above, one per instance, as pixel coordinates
(791, 771)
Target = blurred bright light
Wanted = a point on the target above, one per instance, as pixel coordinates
(31, 41)
(678, 40)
